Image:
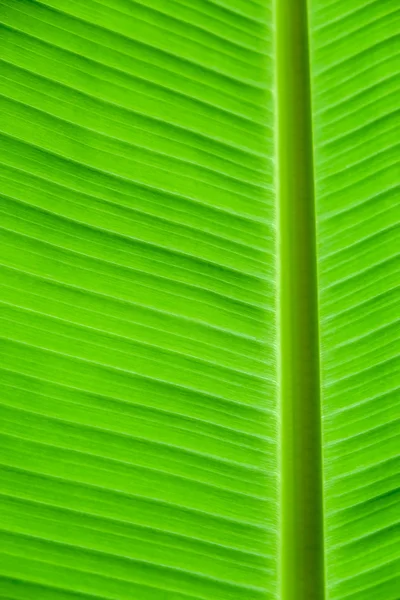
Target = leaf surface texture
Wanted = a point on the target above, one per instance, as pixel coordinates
(139, 292)
(354, 53)
(138, 404)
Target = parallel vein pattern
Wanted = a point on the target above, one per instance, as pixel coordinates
(137, 295)
(355, 54)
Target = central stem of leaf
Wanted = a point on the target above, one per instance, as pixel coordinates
(301, 527)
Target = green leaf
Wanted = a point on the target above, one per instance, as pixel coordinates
(175, 314)
(139, 403)
(355, 106)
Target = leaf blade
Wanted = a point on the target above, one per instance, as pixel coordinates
(137, 295)
(357, 214)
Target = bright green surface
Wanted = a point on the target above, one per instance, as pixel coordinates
(148, 360)
(355, 58)
(138, 375)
